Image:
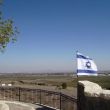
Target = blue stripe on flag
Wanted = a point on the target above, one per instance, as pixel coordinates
(86, 71)
(83, 57)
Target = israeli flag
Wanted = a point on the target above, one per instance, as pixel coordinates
(85, 65)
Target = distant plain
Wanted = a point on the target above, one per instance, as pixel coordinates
(52, 82)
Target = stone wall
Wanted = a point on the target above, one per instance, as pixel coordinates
(92, 97)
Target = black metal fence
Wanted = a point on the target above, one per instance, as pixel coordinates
(43, 97)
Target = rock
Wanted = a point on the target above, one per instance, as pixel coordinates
(90, 88)
(106, 93)
(93, 89)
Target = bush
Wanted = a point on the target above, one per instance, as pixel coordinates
(21, 81)
(41, 84)
(64, 85)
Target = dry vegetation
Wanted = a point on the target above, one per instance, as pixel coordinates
(42, 81)
(103, 81)
(45, 82)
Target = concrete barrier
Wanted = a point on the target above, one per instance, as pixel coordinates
(14, 105)
(92, 97)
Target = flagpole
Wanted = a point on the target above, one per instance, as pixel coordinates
(77, 78)
(77, 65)
(85, 66)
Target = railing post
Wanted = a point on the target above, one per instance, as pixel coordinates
(19, 93)
(60, 101)
(40, 97)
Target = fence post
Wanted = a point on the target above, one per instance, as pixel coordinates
(60, 101)
(19, 93)
(40, 97)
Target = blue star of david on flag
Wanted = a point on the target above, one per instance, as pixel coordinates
(85, 65)
(88, 64)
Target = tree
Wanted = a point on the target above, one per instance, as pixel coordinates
(7, 31)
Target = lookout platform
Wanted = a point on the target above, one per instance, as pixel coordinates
(15, 105)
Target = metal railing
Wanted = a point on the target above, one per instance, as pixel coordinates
(43, 97)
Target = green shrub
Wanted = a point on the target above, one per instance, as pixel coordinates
(41, 84)
(21, 81)
(64, 85)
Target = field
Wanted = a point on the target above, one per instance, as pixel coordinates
(52, 81)
(26, 89)
(103, 81)
(42, 81)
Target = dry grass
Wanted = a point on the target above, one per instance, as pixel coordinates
(47, 82)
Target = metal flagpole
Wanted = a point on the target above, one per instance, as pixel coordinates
(76, 66)
(77, 80)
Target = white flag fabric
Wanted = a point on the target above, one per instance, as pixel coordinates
(85, 65)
